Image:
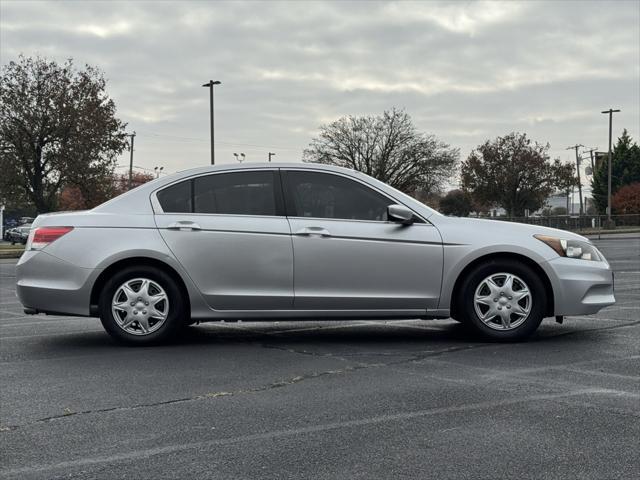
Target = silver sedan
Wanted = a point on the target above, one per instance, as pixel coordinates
(299, 241)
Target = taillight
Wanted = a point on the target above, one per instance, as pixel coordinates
(43, 236)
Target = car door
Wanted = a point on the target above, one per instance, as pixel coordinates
(348, 256)
(229, 231)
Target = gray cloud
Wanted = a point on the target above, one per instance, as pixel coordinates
(465, 71)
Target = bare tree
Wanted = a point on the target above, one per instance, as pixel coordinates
(387, 147)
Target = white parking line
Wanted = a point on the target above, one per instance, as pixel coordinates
(52, 335)
(53, 321)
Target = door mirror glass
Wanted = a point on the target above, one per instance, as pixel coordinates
(400, 214)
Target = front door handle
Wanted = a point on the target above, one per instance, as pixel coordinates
(308, 231)
(183, 225)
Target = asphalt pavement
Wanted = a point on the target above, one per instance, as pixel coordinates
(346, 400)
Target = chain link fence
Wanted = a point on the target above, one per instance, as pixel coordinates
(582, 223)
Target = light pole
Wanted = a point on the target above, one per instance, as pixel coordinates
(611, 111)
(240, 158)
(210, 85)
(271, 154)
(158, 171)
(243, 157)
(132, 135)
(576, 147)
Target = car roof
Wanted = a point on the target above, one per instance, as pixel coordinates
(254, 165)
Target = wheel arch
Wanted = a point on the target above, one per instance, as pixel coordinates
(135, 261)
(549, 310)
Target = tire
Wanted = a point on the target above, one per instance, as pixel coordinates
(510, 314)
(162, 302)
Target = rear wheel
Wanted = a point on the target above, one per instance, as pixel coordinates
(142, 305)
(502, 300)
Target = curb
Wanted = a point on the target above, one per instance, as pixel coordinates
(11, 254)
(608, 232)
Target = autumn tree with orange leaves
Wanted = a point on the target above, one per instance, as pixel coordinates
(72, 197)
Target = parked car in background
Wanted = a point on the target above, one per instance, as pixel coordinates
(19, 234)
(299, 241)
(7, 234)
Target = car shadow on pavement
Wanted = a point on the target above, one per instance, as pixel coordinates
(382, 334)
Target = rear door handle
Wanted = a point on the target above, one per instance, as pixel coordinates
(308, 231)
(183, 225)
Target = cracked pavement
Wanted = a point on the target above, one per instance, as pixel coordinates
(361, 399)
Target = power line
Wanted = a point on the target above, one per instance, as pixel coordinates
(139, 168)
(231, 144)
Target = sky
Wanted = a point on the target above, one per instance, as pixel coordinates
(465, 71)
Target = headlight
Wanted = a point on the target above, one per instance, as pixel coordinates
(571, 248)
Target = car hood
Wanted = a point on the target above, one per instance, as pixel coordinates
(499, 228)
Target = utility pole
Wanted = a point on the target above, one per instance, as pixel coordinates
(593, 165)
(576, 147)
(210, 85)
(611, 111)
(271, 155)
(132, 135)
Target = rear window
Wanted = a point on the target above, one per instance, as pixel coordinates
(177, 198)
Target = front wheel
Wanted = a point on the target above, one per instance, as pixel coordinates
(502, 300)
(141, 306)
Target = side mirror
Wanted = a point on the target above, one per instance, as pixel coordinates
(400, 214)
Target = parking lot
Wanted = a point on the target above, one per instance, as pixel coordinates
(405, 399)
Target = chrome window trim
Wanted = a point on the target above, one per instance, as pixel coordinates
(243, 215)
(426, 222)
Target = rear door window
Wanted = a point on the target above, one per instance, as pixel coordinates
(236, 193)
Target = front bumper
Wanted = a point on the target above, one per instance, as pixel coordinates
(48, 284)
(580, 287)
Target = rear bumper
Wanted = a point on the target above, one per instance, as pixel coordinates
(580, 287)
(47, 284)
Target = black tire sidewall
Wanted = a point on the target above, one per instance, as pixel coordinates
(172, 324)
(467, 293)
